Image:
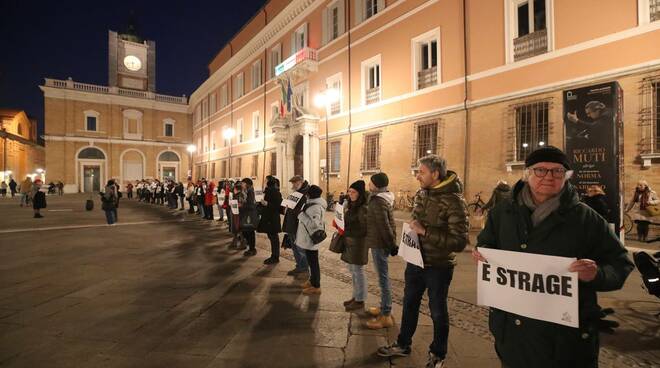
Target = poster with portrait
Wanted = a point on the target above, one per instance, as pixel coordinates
(593, 121)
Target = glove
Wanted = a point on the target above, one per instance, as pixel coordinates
(394, 251)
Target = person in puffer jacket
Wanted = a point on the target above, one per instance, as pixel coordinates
(312, 219)
(381, 239)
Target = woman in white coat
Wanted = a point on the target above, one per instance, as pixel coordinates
(311, 220)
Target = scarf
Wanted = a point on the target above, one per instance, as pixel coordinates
(539, 212)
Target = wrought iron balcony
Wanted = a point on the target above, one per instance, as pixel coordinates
(427, 77)
(529, 45)
(372, 95)
(654, 10)
(299, 64)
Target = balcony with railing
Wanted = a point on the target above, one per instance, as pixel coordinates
(654, 10)
(300, 64)
(93, 88)
(372, 95)
(530, 45)
(427, 77)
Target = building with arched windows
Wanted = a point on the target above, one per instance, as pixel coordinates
(124, 131)
(21, 154)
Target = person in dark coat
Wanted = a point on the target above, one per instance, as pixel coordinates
(270, 217)
(596, 200)
(181, 193)
(356, 253)
(38, 199)
(248, 216)
(109, 202)
(12, 187)
(501, 192)
(545, 216)
(290, 225)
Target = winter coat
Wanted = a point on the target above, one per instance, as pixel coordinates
(312, 218)
(598, 204)
(355, 233)
(179, 190)
(209, 197)
(248, 208)
(443, 213)
(641, 200)
(109, 198)
(12, 185)
(500, 193)
(270, 214)
(381, 228)
(290, 224)
(38, 198)
(26, 186)
(573, 230)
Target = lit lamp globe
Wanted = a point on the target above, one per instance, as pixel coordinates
(191, 148)
(228, 133)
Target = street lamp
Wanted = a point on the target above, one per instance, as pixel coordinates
(325, 99)
(191, 149)
(229, 134)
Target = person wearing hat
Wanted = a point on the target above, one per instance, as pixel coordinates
(381, 239)
(440, 220)
(356, 253)
(545, 216)
(290, 226)
(312, 219)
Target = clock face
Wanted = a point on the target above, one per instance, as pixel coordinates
(132, 63)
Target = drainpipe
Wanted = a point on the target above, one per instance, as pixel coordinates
(350, 108)
(466, 163)
(265, 76)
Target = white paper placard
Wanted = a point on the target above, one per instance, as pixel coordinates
(339, 216)
(234, 206)
(531, 285)
(409, 247)
(292, 200)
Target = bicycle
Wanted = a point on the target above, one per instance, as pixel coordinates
(475, 208)
(404, 201)
(627, 225)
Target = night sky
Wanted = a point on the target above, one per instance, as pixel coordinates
(60, 39)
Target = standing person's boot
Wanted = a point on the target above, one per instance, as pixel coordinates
(354, 306)
(271, 261)
(381, 321)
(250, 252)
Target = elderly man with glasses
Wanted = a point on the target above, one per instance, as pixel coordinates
(545, 216)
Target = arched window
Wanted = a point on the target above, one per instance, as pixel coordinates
(168, 156)
(91, 153)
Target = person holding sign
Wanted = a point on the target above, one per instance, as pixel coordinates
(270, 217)
(381, 238)
(290, 225)
(440, 221)
(356, 253)
(545, 216)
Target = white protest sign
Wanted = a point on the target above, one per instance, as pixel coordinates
(409, 248)
(531, 285)
(292, 200)
(258, 195)
(234, 206)
(339, 216)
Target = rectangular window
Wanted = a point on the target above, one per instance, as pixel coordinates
(169, 129)
(371, 8)
(91, 123)
(212, 104)
(224, 168)
(256, 74)
(213, 140)
(371, 152)
(425, 140)
(237, 167)
(273, 163)
(206, 143)
(224, 100)
(426, 54)
(198, 113)
(238, 89)
(205, 109)
(255, 124)
(299, 39)
(255, 165)
(275, 59)
(371, 80)
(531, 122)
(530, 28)
(335, 156)
(213, 170)
(334, 83)
(239, 130)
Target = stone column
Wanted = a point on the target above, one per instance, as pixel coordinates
(306, 157)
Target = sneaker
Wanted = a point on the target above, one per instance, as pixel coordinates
(349, 302)
(270, 261)
(307, 284)
(312, 291)
(250, 253)
(380, 322)
(434, 361)
(354, 306)
(374, 311)
(393, 350)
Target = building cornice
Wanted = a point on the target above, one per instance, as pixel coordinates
(68, 94)
(282, 23)
(90, 140)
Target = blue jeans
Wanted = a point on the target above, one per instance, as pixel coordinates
(359, 282)
(418, 280)
(298, 254)
(379, 257)
(110, 216)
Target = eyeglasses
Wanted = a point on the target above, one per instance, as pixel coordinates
(557, 173)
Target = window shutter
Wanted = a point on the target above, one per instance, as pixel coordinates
(359, 11)
(324, 30)
(342, 15)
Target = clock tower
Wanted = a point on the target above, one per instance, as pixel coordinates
(131, 61)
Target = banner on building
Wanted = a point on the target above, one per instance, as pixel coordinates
(292, 200)
(531, 285)
(234, 206)
(339, 216)
(409, 247)
(593, 120)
